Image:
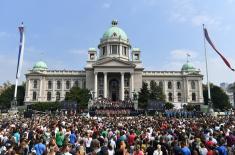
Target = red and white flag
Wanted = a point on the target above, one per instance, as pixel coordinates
(213, 46)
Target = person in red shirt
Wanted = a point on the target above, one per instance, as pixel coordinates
(131, 138)
(209, 143)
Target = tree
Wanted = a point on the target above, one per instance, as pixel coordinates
(219, 98)
(169, 105)
(82, 96)
(153, 90)
(43, 106)
(156, 92)
(8, 95)
(143, 96)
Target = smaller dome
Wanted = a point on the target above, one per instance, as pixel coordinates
(91, 49)
(40, 65)
(135, 49)
(188, 67)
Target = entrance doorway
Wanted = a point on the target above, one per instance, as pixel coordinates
(114, 89)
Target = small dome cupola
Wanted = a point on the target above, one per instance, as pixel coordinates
(188, 67)
(39, 66)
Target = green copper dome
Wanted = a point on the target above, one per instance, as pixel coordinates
(40, 65)
(188, 67)
(115, 31)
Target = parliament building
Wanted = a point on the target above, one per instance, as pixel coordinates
(115, 71)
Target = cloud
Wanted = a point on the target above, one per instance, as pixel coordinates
(34, 50)
(106, 5)
(230, 1)
(198, 20)
(185, 11)
(4, 35)
(181, 54)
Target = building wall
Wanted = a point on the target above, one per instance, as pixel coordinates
(87, 81)
(185, 89)
(41, 87)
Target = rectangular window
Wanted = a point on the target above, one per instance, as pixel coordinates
(136, 56)
(114, 49)
(125, 51)
(92, 56)
(126, 82)
(104, 50)
(101, 82)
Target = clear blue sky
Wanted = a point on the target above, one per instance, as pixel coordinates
(59, 32)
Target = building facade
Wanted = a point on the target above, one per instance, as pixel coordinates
(113, 71)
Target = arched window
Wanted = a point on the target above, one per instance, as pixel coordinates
(169, 85)
(48, 96)
(193, 96)
(170, 97)
(49, 85)
(34, 96)
(126, 94)
(67, 84)
(66, 94)
(58, 84)
(57, 96)
(76, 83)
(179, 97)
(193, 84)
(178, 85)
(35, 83)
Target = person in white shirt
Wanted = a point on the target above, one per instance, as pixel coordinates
(158, 151)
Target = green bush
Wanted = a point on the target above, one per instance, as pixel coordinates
(43, 106)
(169, 105)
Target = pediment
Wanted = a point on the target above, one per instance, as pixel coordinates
(113, 62)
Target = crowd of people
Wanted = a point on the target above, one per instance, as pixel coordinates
(79, 135)
(108, 103)
(181, 113)
(113, 112)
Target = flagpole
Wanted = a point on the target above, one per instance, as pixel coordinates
(19, 64)
(207, 76)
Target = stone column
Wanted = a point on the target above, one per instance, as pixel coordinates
(200, 91)
(187, 91)
(62, 94)
(174, 83)
(40, 90)
(122, 86)
(28, 88)
(95, 85)
(131, 85)
(105, 84)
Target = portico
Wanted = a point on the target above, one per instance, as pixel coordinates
(116, 85)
